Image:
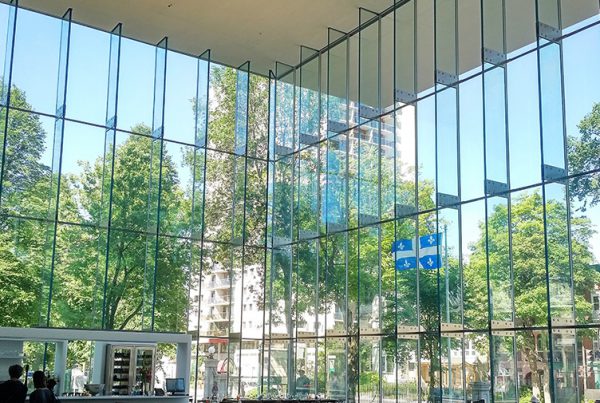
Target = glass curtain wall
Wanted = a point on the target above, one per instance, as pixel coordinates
(115, 212)
(411, 213)
(433, 231)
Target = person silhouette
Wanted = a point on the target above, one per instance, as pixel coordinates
(41, 394)
(13, 390)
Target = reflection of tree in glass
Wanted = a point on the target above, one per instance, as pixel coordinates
(584, 156)
(529, 271)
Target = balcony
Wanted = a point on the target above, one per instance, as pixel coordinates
(218, 316)
(217, 300)
(220, 283)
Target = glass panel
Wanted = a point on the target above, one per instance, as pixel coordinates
(82, 170)
(387, 145)
(475, 283)
(337, 83)
(404, 53)
(528, 258)
(256, 177)
(124, 299)
(284, 109)
(258, 113)
(471, 139)
(336, 201)
(406, 171)
(425, 45)
(185, 85)
(307, 213)
(219, 199)
(369, 185)
(386, 64)
(468, 37)
(426, 153)
(26, 178)
(171, 282)
(551, 102)
(520, 20)
(136, 86)
(447, 147)
(584, 235)
(241, 109)
(369, 281)
(581, 86)
(77, 280)
(404, 254)
(88, 74)
(499, 249)
(523, 122)
(369, 68)
(7, 14)
(36, 60)
(309, 93)
(24, 249)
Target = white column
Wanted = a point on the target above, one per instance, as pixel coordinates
(60, 365)
(182, 368)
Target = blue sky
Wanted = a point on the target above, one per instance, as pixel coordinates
(36, 68)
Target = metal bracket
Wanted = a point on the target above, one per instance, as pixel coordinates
(335, 227)
(405, 97)
(502, 328)
(336, 126)
(453, 330)
(494, 57)
(368, 112)
(446, 200)
(548, 32)
(60, 111)
(302, 234)
(408, 332)
(308, 139)
(279, 241)
(444, 78)
(158, 132)
(283, 150)
(112, 122)
(403, 210)
(553, 174)
(495, 188)
(367, 219)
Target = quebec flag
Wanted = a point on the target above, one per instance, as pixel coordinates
(405, 256)
(429, 256)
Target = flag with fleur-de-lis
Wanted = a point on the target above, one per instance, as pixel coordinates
(405, 256)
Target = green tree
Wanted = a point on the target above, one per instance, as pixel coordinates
(584, 156)
(529, 271)
(24, 191)
(131, 258)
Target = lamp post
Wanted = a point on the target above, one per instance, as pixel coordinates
(447, 275)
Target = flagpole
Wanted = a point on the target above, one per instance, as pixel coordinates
(447, 304)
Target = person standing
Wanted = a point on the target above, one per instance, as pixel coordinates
(41, 394)
(13, 390)
(302, 384)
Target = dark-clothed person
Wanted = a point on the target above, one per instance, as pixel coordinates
(13, 390)
(41, 394)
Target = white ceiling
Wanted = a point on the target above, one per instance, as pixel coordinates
(265, 31)
(262, 31)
